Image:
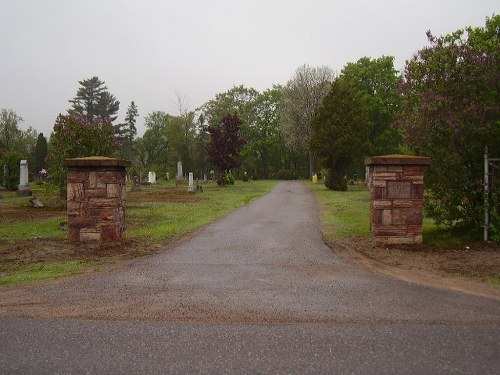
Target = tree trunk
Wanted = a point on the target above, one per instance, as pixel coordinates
(312, 163)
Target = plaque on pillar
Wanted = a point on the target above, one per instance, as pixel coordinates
(396, 194)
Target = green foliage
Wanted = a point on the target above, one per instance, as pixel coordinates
(340, 131)
(450, 112)
(234, 101)
(11, 159)
(73, 137)
(12, 138)
(38, 160)
(93, 101)
(126, 133)
(287, 174)
(335, 180)
(152, 148)
(376, 80)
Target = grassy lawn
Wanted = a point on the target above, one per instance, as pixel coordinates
(347, 213)
(34, 247)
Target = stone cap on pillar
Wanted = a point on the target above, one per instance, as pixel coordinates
(96, 161)
(398, 160)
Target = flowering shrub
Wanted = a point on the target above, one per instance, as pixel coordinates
(74, 136)
(450, 111)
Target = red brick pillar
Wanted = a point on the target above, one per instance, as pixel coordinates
(96, 198)
(396, 190)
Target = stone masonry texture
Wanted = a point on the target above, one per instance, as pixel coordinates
(396, 192)
(96, 190)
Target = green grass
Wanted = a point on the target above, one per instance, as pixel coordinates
(347, 213)
(42, 271)
(22, 230)
(343, 213)
(162, 221)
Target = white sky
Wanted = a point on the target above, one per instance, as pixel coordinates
(146, 50)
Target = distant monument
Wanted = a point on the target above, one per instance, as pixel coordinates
(191, 186)
(23, 189)
(180, 176)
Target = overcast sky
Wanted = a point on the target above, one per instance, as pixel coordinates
(146, 50)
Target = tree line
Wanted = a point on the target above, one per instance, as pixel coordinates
(444, 104)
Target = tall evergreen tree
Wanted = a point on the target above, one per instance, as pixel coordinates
(93, 100)
(126, 132)
(39, 154)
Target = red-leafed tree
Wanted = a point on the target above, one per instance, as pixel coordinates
(225, 145)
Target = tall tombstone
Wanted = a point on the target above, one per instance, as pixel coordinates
(23, 187)
(179, 170)
(152, 177)
(191, 186)
(396, 193)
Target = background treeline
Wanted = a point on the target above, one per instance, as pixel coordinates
(444, 104)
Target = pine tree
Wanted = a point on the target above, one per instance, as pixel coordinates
(93, 101)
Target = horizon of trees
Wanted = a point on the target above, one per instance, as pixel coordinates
(444, 104)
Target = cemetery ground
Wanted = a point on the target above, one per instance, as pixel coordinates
(34, 244)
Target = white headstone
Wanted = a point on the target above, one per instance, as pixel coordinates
(23, 175)
(152, 177)
(179, 169)
(191, 186)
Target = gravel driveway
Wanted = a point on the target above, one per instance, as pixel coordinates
(255, 292)
(265, 262)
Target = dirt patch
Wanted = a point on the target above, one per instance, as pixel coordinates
(473, 268)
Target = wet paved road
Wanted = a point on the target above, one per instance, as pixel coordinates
(256, 292)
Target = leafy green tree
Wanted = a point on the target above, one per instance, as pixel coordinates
(302, 95)
(225, 145)
(181, 132)
(12, 160)
(93, 100)
(234, 102)
(376, 80)
(13, 138)
(75, 136)
(450, 111)
(265, 148)
(340, 131)
(153, 147)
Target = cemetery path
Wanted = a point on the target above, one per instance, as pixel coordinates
(266, 262)
(216, 303)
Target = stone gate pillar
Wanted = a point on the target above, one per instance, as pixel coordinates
(396, 191)
(96, 198)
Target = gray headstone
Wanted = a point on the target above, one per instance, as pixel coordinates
(23, 175)
(191, 186)
(179, 169)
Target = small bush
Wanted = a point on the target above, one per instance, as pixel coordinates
(286, 174)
